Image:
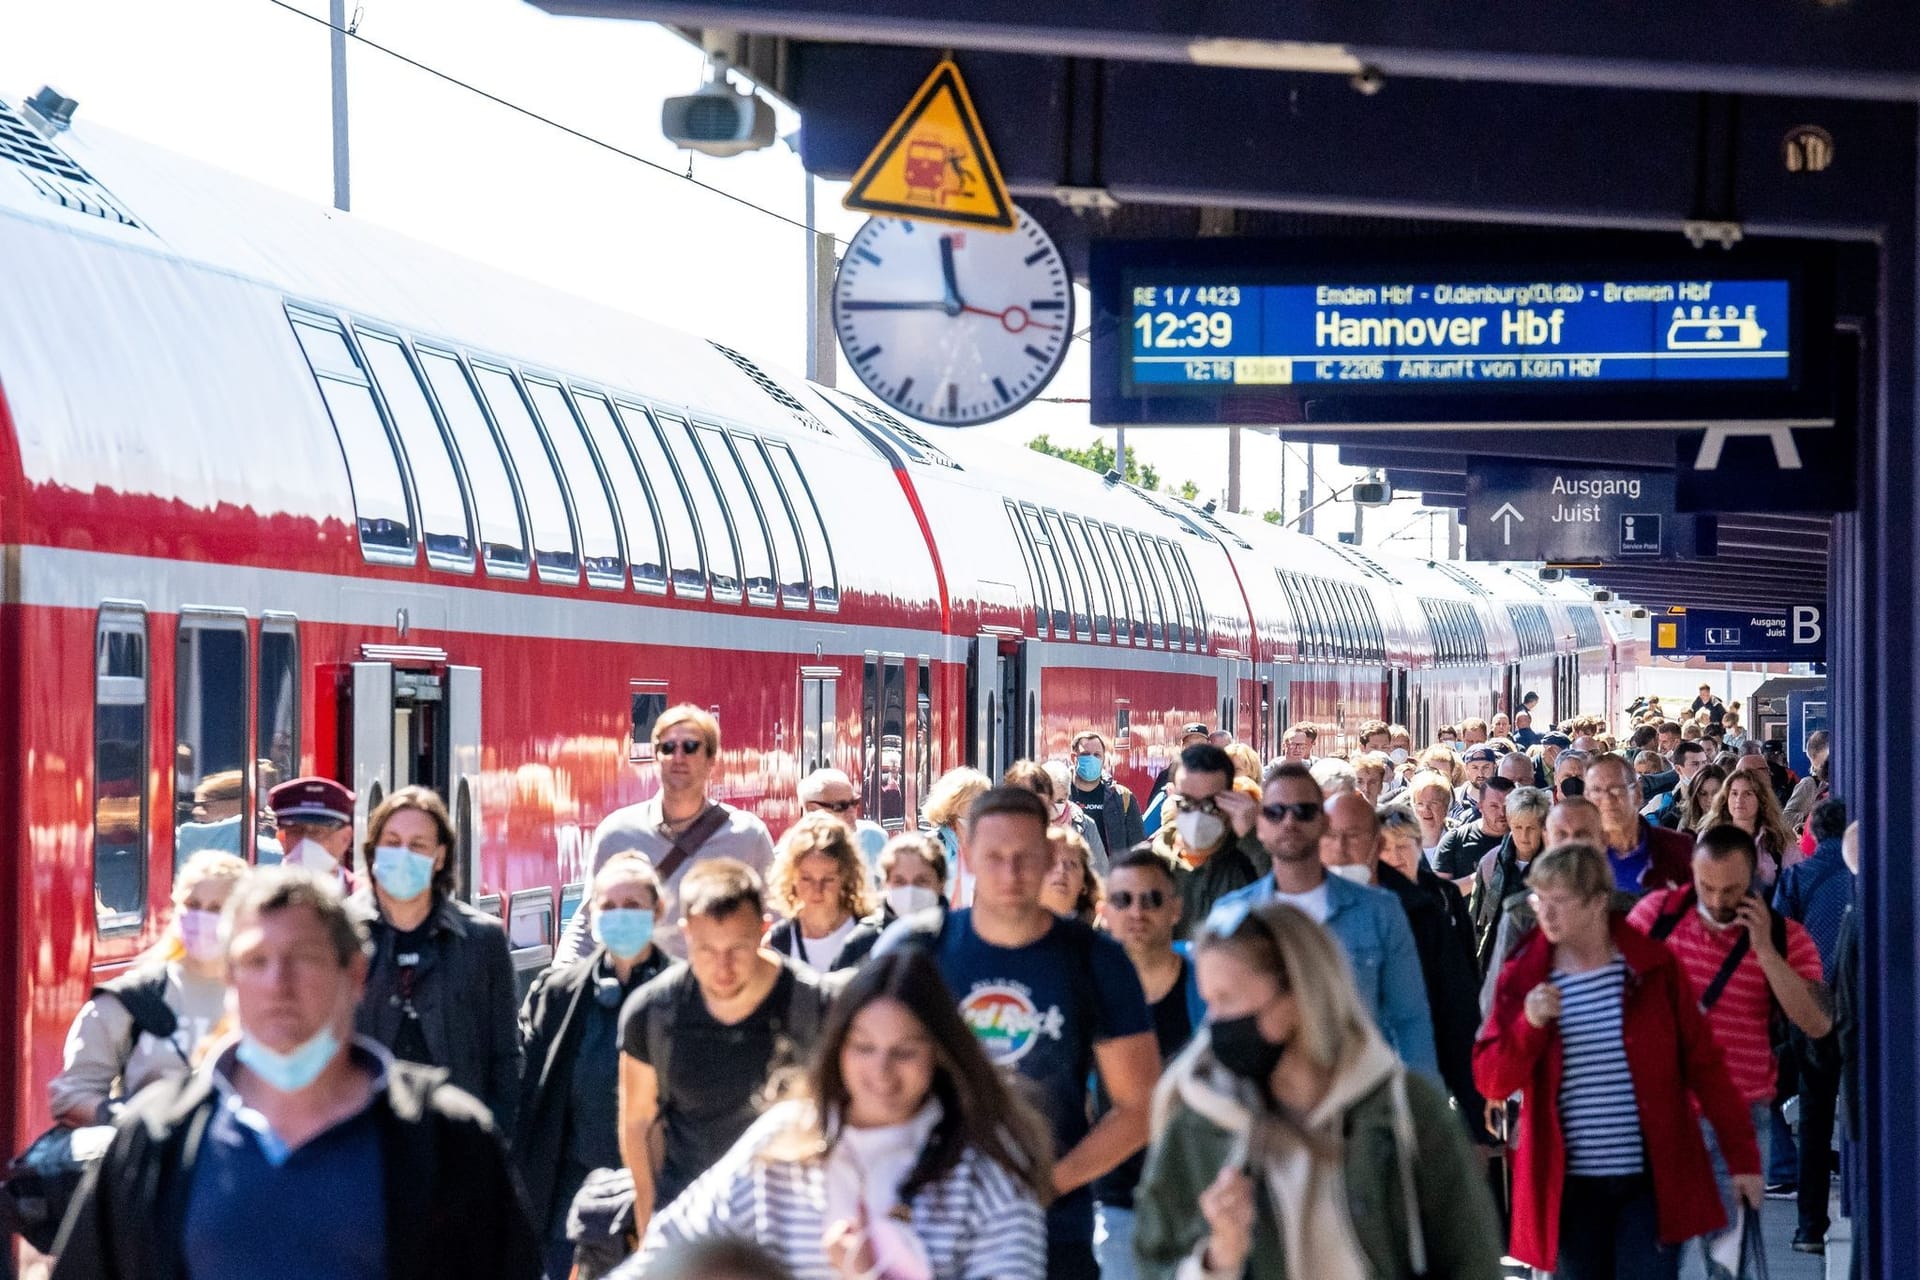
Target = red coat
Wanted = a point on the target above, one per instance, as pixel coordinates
(1670, 1054)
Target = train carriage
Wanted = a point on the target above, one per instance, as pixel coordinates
(282, 492)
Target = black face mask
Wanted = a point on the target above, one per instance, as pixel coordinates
(1240, 1048)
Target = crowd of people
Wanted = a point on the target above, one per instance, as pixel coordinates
(1533, 991)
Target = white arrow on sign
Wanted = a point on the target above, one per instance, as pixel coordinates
(1509, 513)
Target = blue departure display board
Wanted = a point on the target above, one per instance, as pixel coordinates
(1460, 331)
(1562, 328)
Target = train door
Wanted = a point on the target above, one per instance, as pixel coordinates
(414, 726)
(1398, 707)
(1265, 743)
(883, 739)
(1227, 685)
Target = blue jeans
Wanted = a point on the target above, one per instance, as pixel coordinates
(1761, 1114)
(1113, 1241)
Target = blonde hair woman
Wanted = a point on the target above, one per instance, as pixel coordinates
(149, 1023)
(945, 811)
(819, 883)
(1072, 887)
(1289, 1083)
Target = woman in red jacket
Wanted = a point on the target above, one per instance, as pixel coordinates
(1596, 1028)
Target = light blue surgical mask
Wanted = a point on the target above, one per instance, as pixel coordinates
(293, 1071)
(1089, 768)
(404, 874)
(623, 931)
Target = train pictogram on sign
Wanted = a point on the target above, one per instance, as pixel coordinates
(934, 162)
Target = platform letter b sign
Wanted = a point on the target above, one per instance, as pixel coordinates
(1806, 625)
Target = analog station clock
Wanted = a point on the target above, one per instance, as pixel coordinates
(954, 327)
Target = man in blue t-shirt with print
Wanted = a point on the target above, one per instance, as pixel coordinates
(1051, 999)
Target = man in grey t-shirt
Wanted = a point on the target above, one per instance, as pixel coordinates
(686, 743)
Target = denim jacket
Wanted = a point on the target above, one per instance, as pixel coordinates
(1373, 930)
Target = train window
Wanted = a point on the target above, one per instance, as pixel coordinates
(1137, 561)
(1096, 574)
(1317, 609)
(1349, 633)
(756, 549)
(646, 703)
(373, 468)
(1179, 628)
(592, 504)
(1036, 581)
(437, 489)
(676, 512)
(1076, 573)
(1189, 598)
(120, 768)
(211, 752)
(635, 504)
(790, 559)
(1060, 602)
(1185, 576)
(572, 898)
(554, 550)
(819, 690)
(1156, 566)
(1128, 625)
(893, 744)
(723, 556)
(923, 728)
(826, 574)
(276, 742)
(503, 543)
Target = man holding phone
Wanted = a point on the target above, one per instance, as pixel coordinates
(1742, 961)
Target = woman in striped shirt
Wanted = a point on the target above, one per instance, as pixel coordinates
(903, 1157)
(1598, 1030)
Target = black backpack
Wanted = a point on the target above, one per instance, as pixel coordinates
(41, 1182)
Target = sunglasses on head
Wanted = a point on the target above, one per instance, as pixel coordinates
(833, 806)
(680, 746)
(1149, 899)
(1305, 811)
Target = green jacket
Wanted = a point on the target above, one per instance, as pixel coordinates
(1463, 1239)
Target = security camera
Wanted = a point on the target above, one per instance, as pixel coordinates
(717, 119)
(1638, 614)
(1552, 575)
(1372, 493)
(1602, 596)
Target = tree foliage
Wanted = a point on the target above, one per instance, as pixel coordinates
(1098, 458)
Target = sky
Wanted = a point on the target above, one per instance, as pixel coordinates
(244, 84)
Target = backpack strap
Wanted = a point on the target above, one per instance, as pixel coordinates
(1669, 920)
(688, 842)
(143, 993)
(1728, 967)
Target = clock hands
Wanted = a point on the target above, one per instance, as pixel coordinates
(952, 301)
(1014, 319)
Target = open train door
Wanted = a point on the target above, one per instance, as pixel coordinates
(414, 722)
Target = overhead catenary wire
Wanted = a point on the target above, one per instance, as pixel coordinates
(350, 32)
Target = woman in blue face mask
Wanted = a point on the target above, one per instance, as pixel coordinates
(567, 1123)
(1306, 1147)
(440, 990)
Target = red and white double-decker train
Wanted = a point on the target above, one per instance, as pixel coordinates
(284, 493)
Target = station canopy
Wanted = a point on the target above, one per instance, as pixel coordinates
(1733, 120)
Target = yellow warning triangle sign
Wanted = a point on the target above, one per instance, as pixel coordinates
(933, 163)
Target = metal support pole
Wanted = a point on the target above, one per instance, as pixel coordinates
(337, 48)
(1120, 450)
(1233, 469)
(1306, 517)
(822, 364)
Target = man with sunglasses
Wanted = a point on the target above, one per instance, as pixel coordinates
(831, 791)
(1141, 910)
(678, 826)
(1369, 922)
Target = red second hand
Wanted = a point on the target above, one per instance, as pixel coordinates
(1006, 318)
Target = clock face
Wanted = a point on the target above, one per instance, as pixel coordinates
(950, 326)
